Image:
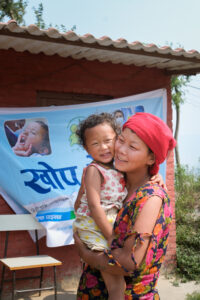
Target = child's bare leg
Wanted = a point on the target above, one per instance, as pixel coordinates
(115, 285)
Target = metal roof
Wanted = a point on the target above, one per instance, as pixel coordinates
(51, 41)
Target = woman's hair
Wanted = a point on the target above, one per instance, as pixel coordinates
(94, 120)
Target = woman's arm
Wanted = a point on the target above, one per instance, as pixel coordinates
(96, 259)
(145, 223)
(93, 188)
(144, 226)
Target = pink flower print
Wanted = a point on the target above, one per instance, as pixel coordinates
(112, 183)
(167, 211)
(91, 281)
(122, 226)
(159, 192)
(147, 279)
(166, 231)
(159, 235)
(84, 209)
(149, 257)
(149, 296)
(121, 239)
(159, 254)
(122, 182)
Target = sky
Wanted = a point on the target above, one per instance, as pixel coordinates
(171, 22)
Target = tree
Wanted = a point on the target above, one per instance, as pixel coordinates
(16, 10)
(13, 9)
(40, 21)
(39, 16)
(177, 85)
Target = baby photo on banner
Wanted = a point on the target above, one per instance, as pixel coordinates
(42, 161)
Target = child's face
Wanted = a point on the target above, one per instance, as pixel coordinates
(33, 135)
(100, 142)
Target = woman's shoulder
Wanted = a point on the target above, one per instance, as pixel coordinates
(149, 190)
(145, 193)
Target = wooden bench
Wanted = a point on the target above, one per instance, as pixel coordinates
(26, 222)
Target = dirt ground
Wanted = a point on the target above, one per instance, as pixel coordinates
(168, 289)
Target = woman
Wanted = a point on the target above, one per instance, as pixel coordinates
(141, 230)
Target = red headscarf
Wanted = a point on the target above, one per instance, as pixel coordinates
(155, 134)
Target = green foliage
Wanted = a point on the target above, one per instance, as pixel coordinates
(193, 296)
(177, 84)
(39, 16)
(16, 10)
(187, 184)
(13, 9)
(40, 21)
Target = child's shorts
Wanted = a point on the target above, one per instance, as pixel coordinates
(89, 232)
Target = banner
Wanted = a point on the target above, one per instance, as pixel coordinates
(42, 162)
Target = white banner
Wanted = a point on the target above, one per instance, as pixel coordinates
(42, 162)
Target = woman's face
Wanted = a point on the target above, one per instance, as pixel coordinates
(131, 153)
(33, 135)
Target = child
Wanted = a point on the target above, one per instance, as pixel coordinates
(33, 140)
(104, 190)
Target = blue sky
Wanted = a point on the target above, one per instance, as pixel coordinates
(175, 22)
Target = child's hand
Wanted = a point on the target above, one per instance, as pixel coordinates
(22, 151)
(109, 241)
(159, 180)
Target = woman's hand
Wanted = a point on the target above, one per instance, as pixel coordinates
(96, 259)
(79, 245)
(159, 180)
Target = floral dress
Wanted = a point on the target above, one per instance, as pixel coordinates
(142, 282)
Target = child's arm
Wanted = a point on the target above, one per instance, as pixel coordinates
(93, 186)
(78, 199)
(158, 179)
(80, 194)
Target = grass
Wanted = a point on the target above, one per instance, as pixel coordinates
(187, 186)
(193, 296)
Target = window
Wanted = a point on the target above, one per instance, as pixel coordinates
(55, 98)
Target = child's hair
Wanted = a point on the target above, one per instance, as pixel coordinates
(94, 120)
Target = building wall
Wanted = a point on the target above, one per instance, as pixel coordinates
(23, 74)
